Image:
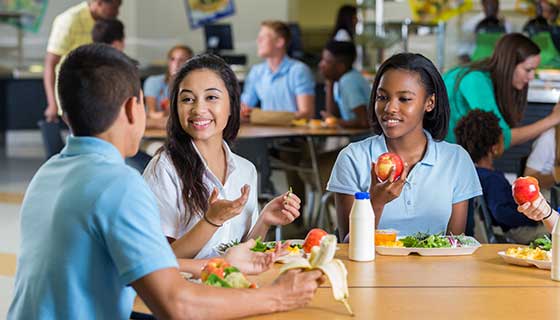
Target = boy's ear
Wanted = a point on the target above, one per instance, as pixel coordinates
(129, 109)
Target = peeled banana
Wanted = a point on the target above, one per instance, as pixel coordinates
(322, 258)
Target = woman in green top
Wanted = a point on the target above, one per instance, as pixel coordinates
(499, 84)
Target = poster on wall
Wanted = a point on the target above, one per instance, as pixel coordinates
(201, 12)
(434, 11)
(32, 13)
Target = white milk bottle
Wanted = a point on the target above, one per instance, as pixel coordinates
(362, 229)
(555, 269)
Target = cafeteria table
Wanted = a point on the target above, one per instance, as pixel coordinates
(478, 286)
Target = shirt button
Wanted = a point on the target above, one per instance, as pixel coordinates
(408, 202)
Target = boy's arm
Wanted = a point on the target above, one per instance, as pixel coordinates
(171, 297)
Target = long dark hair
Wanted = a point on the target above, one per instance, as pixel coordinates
(435, 121)
(190, 167)
(511, 50)
(344, 20)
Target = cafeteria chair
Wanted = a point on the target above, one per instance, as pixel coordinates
(485, 43)
(139, 161)
(549, 54)
(478, 210)
(52, 137)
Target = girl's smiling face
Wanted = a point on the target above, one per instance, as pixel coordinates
(203, 105)
(400, 103)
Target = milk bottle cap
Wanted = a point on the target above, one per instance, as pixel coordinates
(361, 195)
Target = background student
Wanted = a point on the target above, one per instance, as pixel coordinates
(499, 84)
(347, 91)
(71, 29)
(480, 134)
(156, 88)
(280, 83)
(109, 31)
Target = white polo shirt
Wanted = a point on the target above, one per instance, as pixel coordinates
(161, 176)
(543, 155)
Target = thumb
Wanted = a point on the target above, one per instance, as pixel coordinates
(213, 196)
(373, 174)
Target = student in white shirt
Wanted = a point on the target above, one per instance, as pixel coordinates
(540, 163)
(206, 194)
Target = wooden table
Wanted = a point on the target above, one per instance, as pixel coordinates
(480, 286)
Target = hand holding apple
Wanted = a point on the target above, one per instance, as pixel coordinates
(383, 192)
(535, 210)
(525, 189)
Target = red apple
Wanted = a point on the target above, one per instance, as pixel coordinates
(525, 189)
(214, 266)
(313, 239)
(385, 162)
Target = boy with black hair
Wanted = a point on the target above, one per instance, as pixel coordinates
(109, 31)
(347, 92)
(91, 233)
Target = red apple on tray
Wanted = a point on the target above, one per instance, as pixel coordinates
(525, 189)
(385, 162)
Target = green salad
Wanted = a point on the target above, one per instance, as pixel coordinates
(543, 243)
(438, 240)
(260, 246)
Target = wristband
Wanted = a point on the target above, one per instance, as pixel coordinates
(210, 222)
(549, 214)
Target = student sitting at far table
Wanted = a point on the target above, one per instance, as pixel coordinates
(347, 92)
(91, 236)
(280, 83)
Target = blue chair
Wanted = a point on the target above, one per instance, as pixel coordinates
(485, 43)
(52, 137)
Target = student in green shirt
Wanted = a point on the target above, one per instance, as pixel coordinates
(499, 84)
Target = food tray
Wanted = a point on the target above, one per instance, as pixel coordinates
(541, 264)
(402, 251)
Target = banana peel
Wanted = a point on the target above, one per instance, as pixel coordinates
(322, 258)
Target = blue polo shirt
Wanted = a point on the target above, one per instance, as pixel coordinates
(351, 91)
(155, 87)
(445, 176)
(277, 91)
(90, 226)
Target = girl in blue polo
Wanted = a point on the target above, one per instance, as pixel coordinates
(409, 114)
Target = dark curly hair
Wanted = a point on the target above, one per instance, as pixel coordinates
(477, 132)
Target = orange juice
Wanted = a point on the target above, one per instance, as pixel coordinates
(385, 236)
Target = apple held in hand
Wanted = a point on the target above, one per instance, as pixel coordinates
(214, 266)
(525, 189)
(313, 238)
(385, 162)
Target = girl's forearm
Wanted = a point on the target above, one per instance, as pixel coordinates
(189, 245)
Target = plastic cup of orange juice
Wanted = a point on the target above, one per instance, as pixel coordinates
(385, 236)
